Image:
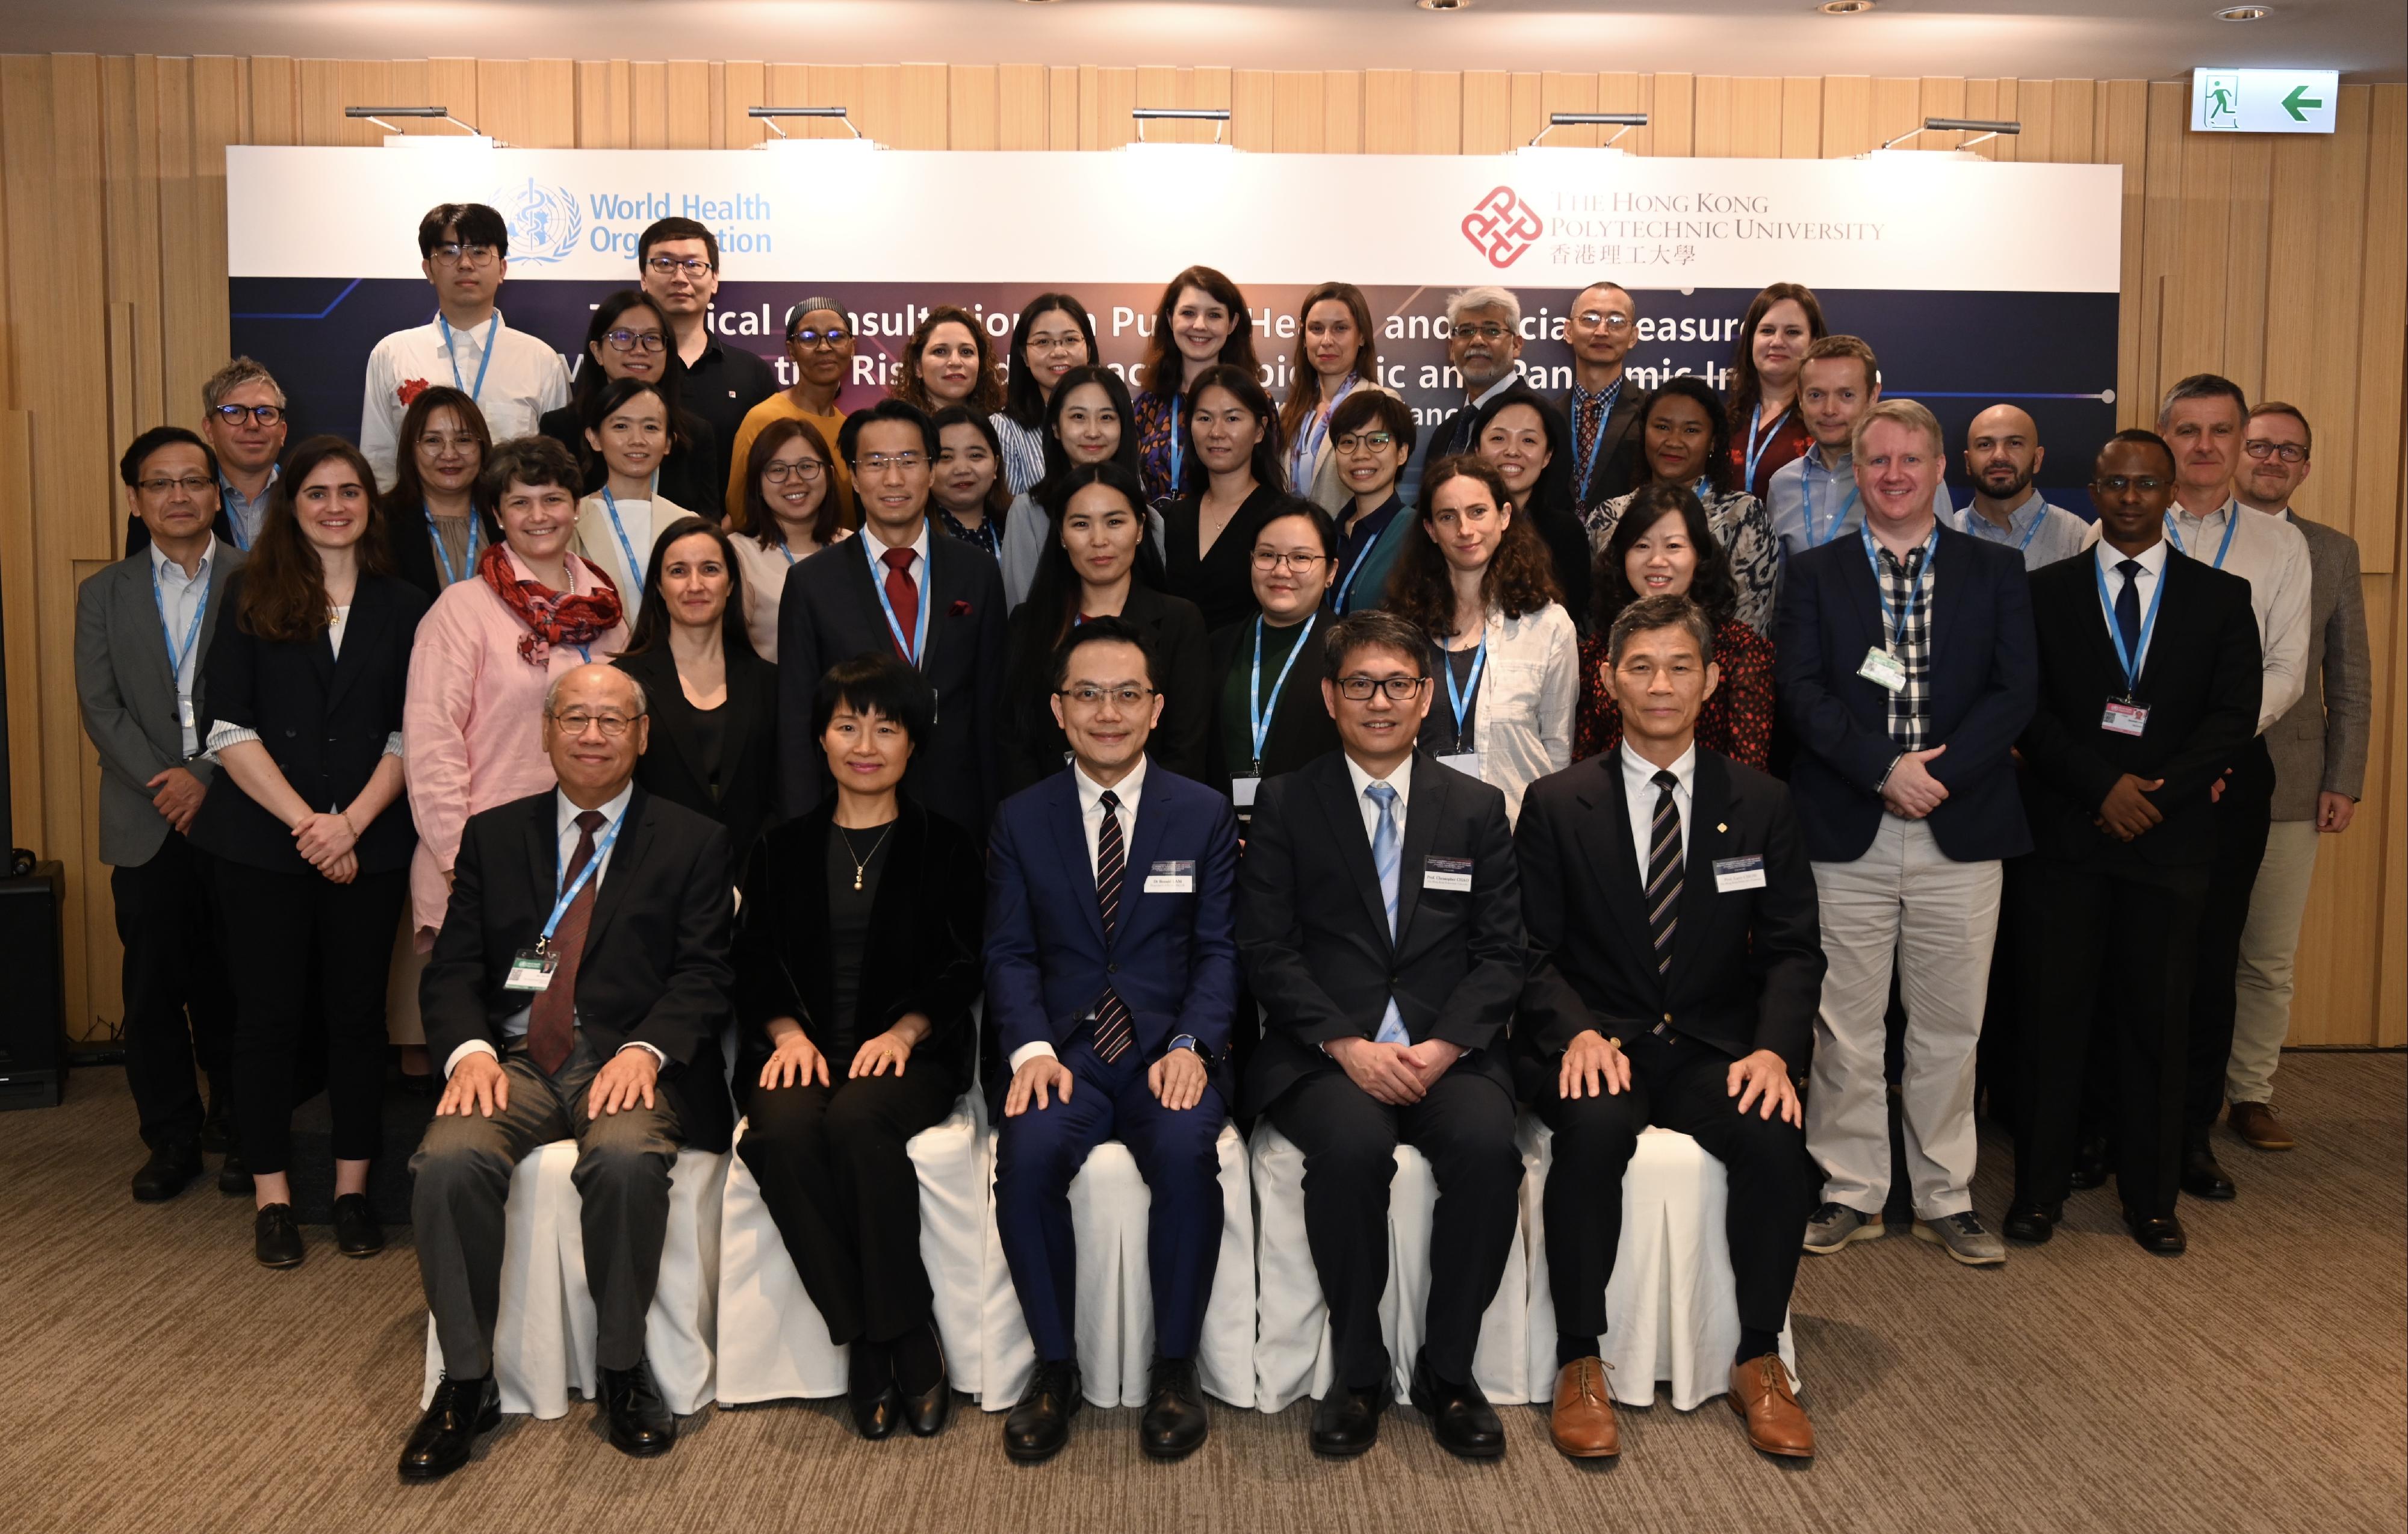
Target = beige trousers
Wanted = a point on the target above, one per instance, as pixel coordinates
(2262, 1015)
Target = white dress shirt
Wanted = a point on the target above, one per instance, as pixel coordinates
(1803, 484)
(179, 596)
(1402, 783)
(2272, 556)
(874, 546)
(1638, 787)
(528, 377)
(2042, 532)
(2153, 565)
(1091, 821)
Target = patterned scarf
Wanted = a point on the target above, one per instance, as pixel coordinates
(552, 617)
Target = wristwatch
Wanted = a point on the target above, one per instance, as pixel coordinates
(1188, 1041)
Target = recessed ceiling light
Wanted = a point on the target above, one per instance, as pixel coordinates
(1844, 8)
(1444, 4)
(2244, 13)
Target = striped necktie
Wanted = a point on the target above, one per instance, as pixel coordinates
(1664, 871)
(1114, 1032)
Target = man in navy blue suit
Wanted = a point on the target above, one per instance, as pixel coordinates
(1907, 669)
(1111, 977)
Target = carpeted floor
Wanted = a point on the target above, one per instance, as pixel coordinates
(162, 1382)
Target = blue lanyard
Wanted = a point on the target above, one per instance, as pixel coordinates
(787, 550)
(1461, 697)
(610, 504)
(917, 645)
(1177, 427)
(1316, 431)
(1894, 626)
(445, 554)
(2130, 659)
(2033, 531)
(559, 907)
(1258, 714)
(1838, 518)
(476, 394)
(1361, 559)
(2232, 520)
(1606, 400)
(178, 655)
(1758, 447)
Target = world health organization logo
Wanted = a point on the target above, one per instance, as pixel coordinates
(1502, 226)
(544, 223)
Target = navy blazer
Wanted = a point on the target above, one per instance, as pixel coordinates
(1985, 687)
(1173, 958)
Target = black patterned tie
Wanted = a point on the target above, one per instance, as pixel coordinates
(1113, 1034)
(1664, 871)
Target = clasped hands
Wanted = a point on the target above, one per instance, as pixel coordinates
(325, 842)
(1394, 1074)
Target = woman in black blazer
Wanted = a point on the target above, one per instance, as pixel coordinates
(857, 963)
(1097, 562)
(436, 521)
(1266, 669)
(629, 337)
(713, 702)
(312, 838)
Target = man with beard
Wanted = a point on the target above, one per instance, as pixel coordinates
(2003, 453)
(1483, 345)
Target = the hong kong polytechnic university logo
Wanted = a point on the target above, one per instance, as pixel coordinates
(543, 220)
(1502, 226)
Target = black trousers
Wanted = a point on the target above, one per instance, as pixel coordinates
(2243, 817)
(276, 923)
(1465, 1125)
(178, 1007)
(2107, 953)
(834, 1170)
(1681, 1084)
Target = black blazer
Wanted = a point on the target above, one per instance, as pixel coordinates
(1620, 466)
(1302, 729)
(1985, 685)
(921, 955)
(1323, 965)
(2201, 681)
(655, 969)
(325, 719)
(1221, 583)
(1451, 435)
(1747, 967)
(1033, 747)
(690, 475)
(413, 546)
(830, 612)
(671, 765)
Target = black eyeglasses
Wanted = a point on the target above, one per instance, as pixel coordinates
(635, 340)
(2262, 449)
(1491, 331)
(1091, 696)
(808, 338)
(694, 266)
(267, 415)
(1399, 689)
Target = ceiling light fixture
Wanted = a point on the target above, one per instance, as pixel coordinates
(1444, 4)
(770, 114)
(2244, 13)
(1625, 120)
(1217, 115)
(1844, 8)
(1982, 128)
(378, 115)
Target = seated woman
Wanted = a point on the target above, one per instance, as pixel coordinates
(1234, 476)
(1087, 421)
(1100, 564)
(965, 494)
(713, 702)
(795, 505)
(629, 337)
(1685, 439)
(857, 959)
(1371, 435)
(1268, 716)
(1662, 546)
(627, 429)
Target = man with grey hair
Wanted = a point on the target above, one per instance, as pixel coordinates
(1601, 327)
(242, 415)
(1484, 346)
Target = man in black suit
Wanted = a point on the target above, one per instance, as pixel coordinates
(937, 602)
(1484, 349)
(578, 990)
(1385, 1014)
(2149, 675)
(1602, 406)
(1676, 964)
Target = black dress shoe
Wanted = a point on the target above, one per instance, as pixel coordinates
(440, 1443)
(234, 1177)
(870, 1396)
(1461, 1419)
(640, 1424)
(2090, 1163)
(1346, 1422)
(2161, 1234)
(1040, 1424)
(2033, 1224)
(356, 1231)
(927, 1413)
(2202, 1178)
(275, 1238)
(1175, 1421)
(165, 1175)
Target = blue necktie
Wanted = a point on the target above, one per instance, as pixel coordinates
(1385, 860)
(2128, 610)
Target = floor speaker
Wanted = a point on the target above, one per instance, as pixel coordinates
(33, 1023)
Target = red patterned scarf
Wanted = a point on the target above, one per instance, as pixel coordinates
(552, 617)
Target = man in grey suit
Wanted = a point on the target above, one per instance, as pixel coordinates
(142, 633)
(2319, 750)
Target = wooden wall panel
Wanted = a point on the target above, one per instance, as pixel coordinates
(1672, 116)
(973, 107)
(1801, 118)
(528, 102)
(1342, 112)
(1387, 112)
(1021, 121)
(1299, 118)
(2311, 299)
(1897, 105)
(1438, 114)
(1847, 116)
(2383, 319)
(1625, 93)
(1487, 111)
(1062, 117)
(686, 114)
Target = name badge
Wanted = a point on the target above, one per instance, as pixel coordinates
(1465, 761)
(2123, 718)
(1242, 790)
(530, 970)
(1882, 669)
(1171, 879)
(1732, 874)
(1447, 873)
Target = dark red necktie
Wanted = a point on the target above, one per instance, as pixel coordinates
(904, 597)
(552, 1027)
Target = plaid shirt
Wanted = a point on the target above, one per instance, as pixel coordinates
(1908, 619)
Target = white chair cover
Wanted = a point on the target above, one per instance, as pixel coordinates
(544, 1336)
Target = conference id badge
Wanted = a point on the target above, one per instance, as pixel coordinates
(1465, 761)
(530, 970)
(1171, 878)
(1242, 790)
(2124, 717)
(1882, 669)
(1447, 873)
(1733, 874)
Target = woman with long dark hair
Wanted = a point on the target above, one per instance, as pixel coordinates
(1088, 420)
(948, 362)
(1233, 477)
(1337, 353)
(795, 505)
(1766, 429)
(1202, 321)
(629, 337)
(436, 521)
(1052, 337)
(1685, 439)
(1526, 440)
(631, 429)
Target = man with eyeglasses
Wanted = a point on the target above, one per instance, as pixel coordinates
(243, 420)
(819, 349)
(1111, 980)
(2319, 752)
(1379, 923)
(1601, 405)
(679, 261)
(463, 249)
(577, 991)
(1483, 347)
(2149, 684)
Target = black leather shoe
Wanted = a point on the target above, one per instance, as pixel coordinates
(1039, 1427)
(356, 1231)
(1346, 1422)
(440, 1443)
(2033, 1224)
(275, 1238)
(2090, 1163)
(2163, 1236)
(1461, 1419)
(871, 1398)
(1175, 1421)
(234, 1177)
(928, 1412)
(640, 1424)
(2202, 1178)
(165, 1175)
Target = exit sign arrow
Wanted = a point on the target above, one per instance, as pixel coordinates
(2297, 99)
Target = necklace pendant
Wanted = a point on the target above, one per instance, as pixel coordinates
(856, 881)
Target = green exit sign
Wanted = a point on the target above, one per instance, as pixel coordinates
(2264, 100)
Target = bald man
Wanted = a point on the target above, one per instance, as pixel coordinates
(2002, 455)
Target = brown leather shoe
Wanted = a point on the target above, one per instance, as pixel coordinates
(2256, 1123)
(1776, 1424)
(1583, 1423)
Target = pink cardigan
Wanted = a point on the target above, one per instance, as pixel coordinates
(471, 729)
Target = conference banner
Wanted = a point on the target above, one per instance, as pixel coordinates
(1975, 281)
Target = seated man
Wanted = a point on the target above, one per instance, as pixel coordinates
(577, 991)
(1383, 1023)
(1111, 982)
(1675, 967)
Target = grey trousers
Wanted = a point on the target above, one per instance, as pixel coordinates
(464, 1167)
